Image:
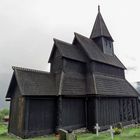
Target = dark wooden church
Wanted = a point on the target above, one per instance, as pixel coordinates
(86, 85)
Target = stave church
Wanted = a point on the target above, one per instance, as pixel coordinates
(86, 85)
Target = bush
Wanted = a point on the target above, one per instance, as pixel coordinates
(117, 131)
(3, 113)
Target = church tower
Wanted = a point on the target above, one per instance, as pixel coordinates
(101, 35)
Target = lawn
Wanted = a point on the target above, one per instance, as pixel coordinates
(127, 134)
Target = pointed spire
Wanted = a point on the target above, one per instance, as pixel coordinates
(98, 8)
(100, 28)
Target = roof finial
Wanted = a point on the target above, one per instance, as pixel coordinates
(98, 8)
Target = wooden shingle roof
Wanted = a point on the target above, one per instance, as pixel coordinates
(33, 82)
(95, 54)
(100, 28)
(113, 86)
(68, 50)
(74, 84)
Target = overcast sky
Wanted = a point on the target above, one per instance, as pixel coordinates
(27, 29)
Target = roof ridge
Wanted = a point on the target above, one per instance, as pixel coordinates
(85, 37)
(30, 70)
(58, 40)
(80, 35)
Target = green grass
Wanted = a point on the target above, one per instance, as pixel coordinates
(127, 134)
(5, 136)
(3, 129)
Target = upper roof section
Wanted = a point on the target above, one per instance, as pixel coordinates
(67, 50)
(94, 53)
(100, 28)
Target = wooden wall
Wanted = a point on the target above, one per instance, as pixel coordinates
(40, 116)
(110, 110)
(56, 62)
(99, 68)
(91, 113)
(74, 66)
(128, 110)
(16, 113)
(73, 113)
(105, 45)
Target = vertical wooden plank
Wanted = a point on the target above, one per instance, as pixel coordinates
(26, 115)
(59, 103)
(21, 102)
(96, 110)
(10, 117)
(86, 101)
(59, 113)
(138, 107)
(61, 83)
(107, 111)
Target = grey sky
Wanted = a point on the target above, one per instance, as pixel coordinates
(27, 29)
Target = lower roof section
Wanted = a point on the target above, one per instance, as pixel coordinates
(32, 82)
(41, 83)
(113, 86)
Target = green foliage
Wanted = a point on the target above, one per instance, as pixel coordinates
(117, 131)
(3, 129)
(3, 113)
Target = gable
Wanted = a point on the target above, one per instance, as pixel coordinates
(54, 53)
(67, 51)
(13, 85)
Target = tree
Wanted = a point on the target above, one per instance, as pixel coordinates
(3, 113)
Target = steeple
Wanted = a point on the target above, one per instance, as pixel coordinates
(101, 35)
(98, 8)
(100, 28)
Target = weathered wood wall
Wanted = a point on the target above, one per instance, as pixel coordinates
(128, 110)
(110, 110)
(100, 68)
(91, 114)
(73, 113)
(40, 116)
(16, 113)
(105, 44)
(56, 62)
(138, 104)
(74, 66)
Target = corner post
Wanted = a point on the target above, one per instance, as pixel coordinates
(59, 103)
(59, 113)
